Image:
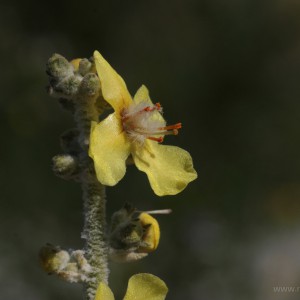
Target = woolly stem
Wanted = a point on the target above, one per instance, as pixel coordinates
(94, 231)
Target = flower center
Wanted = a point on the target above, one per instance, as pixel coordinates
(143, 121)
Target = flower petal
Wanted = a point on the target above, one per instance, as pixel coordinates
(109, 148)
(152, 234)
(104, 292)
(113, 87)
(142, 95)
(146, 287)
(169, 168)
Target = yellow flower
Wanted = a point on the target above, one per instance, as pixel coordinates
(140, 287)
(136, 127)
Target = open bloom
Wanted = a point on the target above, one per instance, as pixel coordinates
(136, 127)
(140, 287)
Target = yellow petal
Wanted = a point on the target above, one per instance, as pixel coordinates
(104, 292)
(169, 168)
(109, 148)
(146, 287)
(114, 89)
(142, 95)
(152, 234)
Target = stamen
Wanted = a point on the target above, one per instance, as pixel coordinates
(159, 139)
(158, 212)
(175, 126)
(148, 108)
(156, 106)
(175, 131)
(139, 123)
(127, 115)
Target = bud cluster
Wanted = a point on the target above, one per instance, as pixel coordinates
(68, 265)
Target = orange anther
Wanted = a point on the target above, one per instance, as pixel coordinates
(158, 106)
(170, 127)
(148, 108)
(159, 139)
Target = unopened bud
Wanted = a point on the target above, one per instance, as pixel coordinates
(53, 258)
(84, 67)
(64, 165)
(90, 85)
(58, 67)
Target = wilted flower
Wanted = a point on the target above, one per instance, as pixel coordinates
(133, 234)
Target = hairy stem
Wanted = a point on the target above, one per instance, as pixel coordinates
(94, 233)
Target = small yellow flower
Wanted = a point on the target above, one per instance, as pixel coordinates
(136, 127)
(140, 287)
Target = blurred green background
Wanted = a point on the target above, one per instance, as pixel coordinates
(229, 71)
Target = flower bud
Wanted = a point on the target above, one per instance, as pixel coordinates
(53, 259)
(90, 85)
(65, 165)
(58, 67)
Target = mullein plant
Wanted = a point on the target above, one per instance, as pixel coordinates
(96, 154)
